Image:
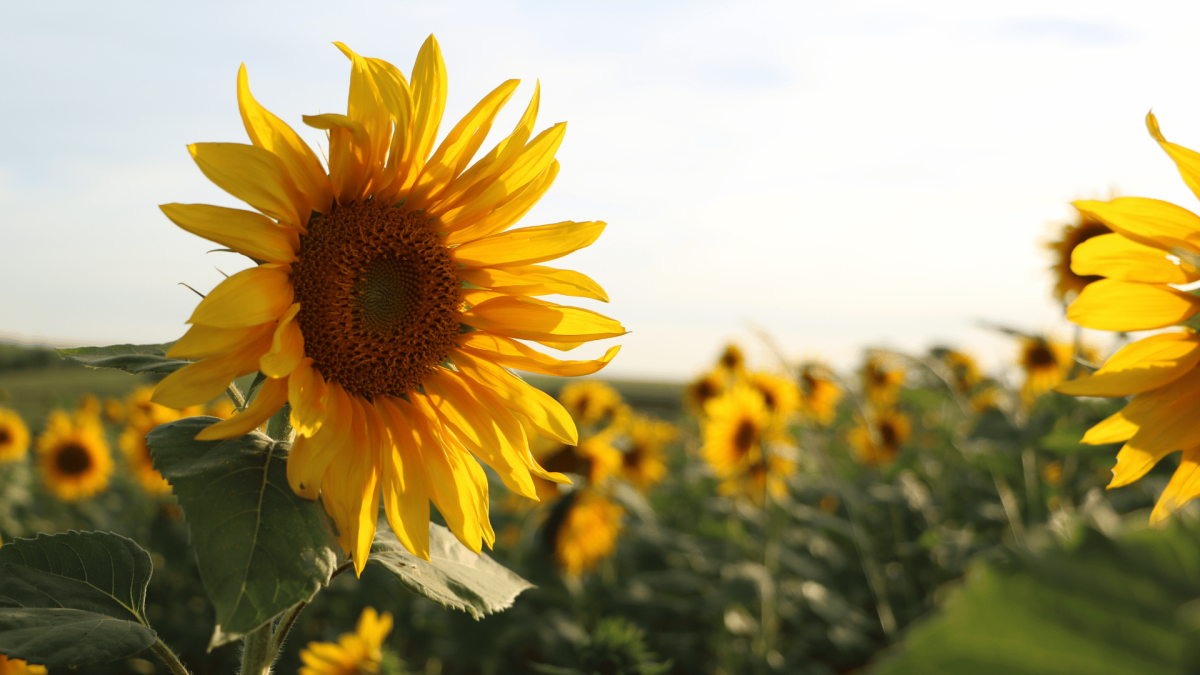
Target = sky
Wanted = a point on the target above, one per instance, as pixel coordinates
(836, 175)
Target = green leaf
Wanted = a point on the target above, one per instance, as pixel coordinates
(130, 358)
(260, 547)
(1101, 606)
(73, 599)
(454, 576)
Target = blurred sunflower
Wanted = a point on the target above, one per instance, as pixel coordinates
(594, 457)
(699, 393)
(357, 653)
(222, 408)
(141, 411)
(14, 436)
(732, 362)
(88, 405)
(591, 402)
(644, 463)
(736, 426)
(1046, 362)
(881, 381)
(987, 398)
(583, 531)
(73, 456)
(132, 442)
(819, 394)
(753, 483)
(1068, 284)
(390, 302)
(114, 411)
(963, 369)
(892, 429)
(779, 394)
(18, 667)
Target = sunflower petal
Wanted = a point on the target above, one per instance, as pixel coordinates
(464, 226)
(534, 280)
(271, 134)
(208, 378)
(405, 496)
(528, 245)
(366, 106)
(271, 396)
(546, 415)
(204, 341)
(429, 97)
(1183, 488)
(350, 490)
(248, 298)
(310, 457)
(1188, 161)
(524, 319)
(513, 354)
(451, 484)
(251, 234)
(1149, 363)
(254, 176)
(1116, 257)
(349, 154)
(287, 346)
(1109, 304)
(1151, 222)
(1163, 429)
(309, 397)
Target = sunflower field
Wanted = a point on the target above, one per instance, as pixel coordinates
(359, 459)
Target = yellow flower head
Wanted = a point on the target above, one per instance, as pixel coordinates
(594, 457)
(819, 394)
(779, 394)
(699, 393)
(879, 443)
(1045, 362)
(644, 464)
(132, 442)
(591, 402)
(14, 436)
(882, 381)
(586, 533)
(18, 667)
(73, 456)
(142, 412)
(1068, 284)
(357, 653)
(732, 362)
(114, 411)
(755, 481)
(963, 369)
(736, 426)
(88, 406)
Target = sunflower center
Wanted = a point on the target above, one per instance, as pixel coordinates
(5, 437)
(379, 298)
(1040, 356)
(888, 434)
(73, 460)
(743, 439)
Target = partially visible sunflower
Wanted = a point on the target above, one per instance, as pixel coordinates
(1067, 284)
(699, 393)
(819, 393)
(756, 481)
(141, 411)
(965, 373)
(732, 362)
(390, 301)
(18, 667)
(779, 394)
(594, 457)
(987, 398)
(736, 426)
(592, 402)
(114, 411)
(583, 531)
(89, 406)
(644, 463)
(357, 653)
(892, 428)
(14, 436)
(132, 442)
(882, 381)
(1046, 362)
(73, 456)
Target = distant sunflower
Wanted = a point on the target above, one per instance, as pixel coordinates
(132, 442)
(88, 405)
(390, 301)
(755, 481)
(699, 393)
(644, 463)
(882, 381)
(819, 394)
(731, 362)
(357, 653)
(594, 457)
(987, 398)
(893, 430)
(1046, 362)
(736, 426)
(962, 367)
(114, 411)
(18, 667)
(14, 436)
(592, 402)
(141, 411)
(583, 531)
(779, 394)
(1067, 284)
(73, 457)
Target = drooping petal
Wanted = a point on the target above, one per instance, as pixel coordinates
(309, 397)
(513, 354)
(1183, 488)
(287, 346)
(271, 134)
(256, 177)
(543, 412)
(309, 460)
(1147, 221)
(1117, 257)
(1109, 304)
(204, 341)
(1122, 425)
(1147, 364)
(208, 378)
(271, 396)
(528, 245)
(1163, 430)
(349, 155)
(451, 485)
(1188, 161)
(405, 495)
(366, 106)
(251, 234)
(248, 298)
(526, 319)
(1115, 428)
(351, 487)
(534, 280)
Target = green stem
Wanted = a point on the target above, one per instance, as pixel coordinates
(285, 625)
(257, 653)
(168, 657)
(235, 395)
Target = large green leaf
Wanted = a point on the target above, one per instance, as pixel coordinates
(260, 547)
(1100, 606)
(73, 599)
(453, 577)
(130, 358)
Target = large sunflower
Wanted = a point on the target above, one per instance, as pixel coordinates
(1068, 284)
(14, 436)
(1154, 247)
(73, 456)
(390, 297)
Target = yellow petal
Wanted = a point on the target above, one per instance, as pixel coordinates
(1109, 304)
(1114, 429)
(350, 490)
(204, 341)
(450, 482)
(543, 412)
(207, 379)
(1183, 488)
(271, 397)
(1162, 430)
(349, 155)
(248, 298)
(308, 394)
(1116, 257)
(534, 280)
(1122, 425)
(311, 457)
(1147, 364)
(1147, 221)
(254, 176)
(366, 107)
(251, 234)
(429, 98)
(465, 224)
(526, 319)
(271, 134)
(528, 245)
(513, 354)
(1186, 160)
(405, 496)
(287, 346)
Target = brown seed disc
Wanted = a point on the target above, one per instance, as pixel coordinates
(72, 460)
(744, 437)
(379, 298)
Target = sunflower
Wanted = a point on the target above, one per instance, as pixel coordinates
(356, 653)
(699, 393)
(643, 464)
(18, 667)
(114, 411)
(736, 427)
(14, 436)
(756, 481)
(73, 456)
(583, 531)
(593, 457)
(987, 398)
(1155, 246)
(141, 411)
(819, 394)
(591, 402)
(390, 299)
(779, 394)
(878, 444)
(1046, 362)
(132, 442)
(1067, 284)
(962, 367)
(732, 362)
(881, 381)
(88, 405)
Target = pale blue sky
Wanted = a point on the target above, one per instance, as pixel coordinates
(841, 174)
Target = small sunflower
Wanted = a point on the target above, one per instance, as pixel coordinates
(89, 406)
(753, 483)
(882, 381)
(892, 429)
(583, 531)
(114, 411)
(14, 436)
(962, 367)
(594, 457)
(591, 403)
(819, 393)
(1067, 284)
(779, 394)
(391, 299)
(1046, 362)
(987, 398)
(73, 456)
(736, 426)
(699, 393)
(132, 442)
(18, 667)
(732, 362)
(357, 653)
(643, 464)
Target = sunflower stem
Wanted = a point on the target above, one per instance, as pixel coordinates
(279, 427)
(168, 657)
(285, 625)
(257, 652)
(235, 395)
